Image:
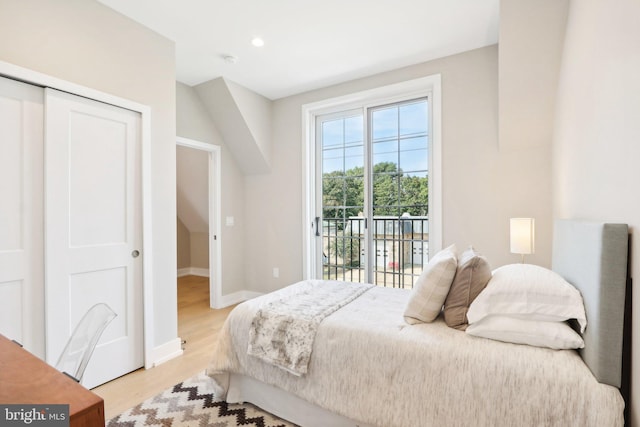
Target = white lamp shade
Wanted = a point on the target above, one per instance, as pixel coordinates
(522, 235)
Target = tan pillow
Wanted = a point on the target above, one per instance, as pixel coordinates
(472, 276)
(431, 288)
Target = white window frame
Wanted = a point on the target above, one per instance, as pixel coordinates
(430, 87)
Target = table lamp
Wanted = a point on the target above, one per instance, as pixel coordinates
(522, 236)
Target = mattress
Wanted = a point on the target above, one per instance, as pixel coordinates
(367, 364)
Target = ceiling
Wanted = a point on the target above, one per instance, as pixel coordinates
(310, 44)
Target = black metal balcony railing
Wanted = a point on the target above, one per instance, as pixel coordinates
(401, 247)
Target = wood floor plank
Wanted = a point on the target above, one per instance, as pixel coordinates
(198, 325)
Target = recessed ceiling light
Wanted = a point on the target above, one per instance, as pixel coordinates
(257, 42)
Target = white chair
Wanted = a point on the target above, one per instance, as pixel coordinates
(76, 354)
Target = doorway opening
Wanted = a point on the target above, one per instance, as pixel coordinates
(198, 213)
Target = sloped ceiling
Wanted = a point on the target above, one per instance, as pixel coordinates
(243, 118)
(192, 188)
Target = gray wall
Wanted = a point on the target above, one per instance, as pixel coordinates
(89, 44)
(483, 185)
(183, 243)
(192, 188)
(192, 202)
(530, 49)
(596, 151)
(199, 250)
(193, 122)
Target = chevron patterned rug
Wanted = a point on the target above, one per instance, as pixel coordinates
(192, 403)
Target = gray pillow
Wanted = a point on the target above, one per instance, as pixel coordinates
(472, 275)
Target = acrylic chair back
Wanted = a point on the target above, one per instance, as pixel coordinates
(76, 354)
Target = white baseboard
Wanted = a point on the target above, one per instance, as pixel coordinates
(236, 297)
(167, 351)
(193, 271)
(173, 348)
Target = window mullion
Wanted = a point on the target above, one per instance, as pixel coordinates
(368, 198)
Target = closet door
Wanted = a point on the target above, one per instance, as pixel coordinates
(21, 273)
(94, 229)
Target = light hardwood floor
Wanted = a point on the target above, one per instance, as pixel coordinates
(197, 324)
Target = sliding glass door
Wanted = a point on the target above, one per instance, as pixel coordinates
(343, 183)
(373, 166)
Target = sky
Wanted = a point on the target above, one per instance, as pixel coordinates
(399, 135)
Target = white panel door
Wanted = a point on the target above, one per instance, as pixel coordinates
(21, 252)
(94, 228)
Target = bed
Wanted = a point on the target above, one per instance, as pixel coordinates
(368, 367)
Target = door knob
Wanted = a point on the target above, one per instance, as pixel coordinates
(135, 253)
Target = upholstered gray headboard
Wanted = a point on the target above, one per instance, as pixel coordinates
(592, 256)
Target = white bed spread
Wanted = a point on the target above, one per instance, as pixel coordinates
(369, 365)
(283, 331)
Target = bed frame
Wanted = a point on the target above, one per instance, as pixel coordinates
(590, 255)
(593, 256)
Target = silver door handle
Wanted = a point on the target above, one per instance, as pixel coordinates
(135, 253)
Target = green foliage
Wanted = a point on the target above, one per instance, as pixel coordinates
(414, 195)
(393, 192)
(343, 193)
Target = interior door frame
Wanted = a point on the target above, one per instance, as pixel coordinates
(215, 240)
(16, 72)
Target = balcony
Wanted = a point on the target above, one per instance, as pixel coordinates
(401, 248)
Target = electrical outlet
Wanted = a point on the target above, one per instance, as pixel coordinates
(276, 272)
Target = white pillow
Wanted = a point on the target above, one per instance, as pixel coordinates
(431, 288)
(555, 335)
(528, 292)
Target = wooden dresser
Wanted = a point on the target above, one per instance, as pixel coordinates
(26, 379)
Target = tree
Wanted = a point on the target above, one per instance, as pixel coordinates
(343, 193)
(385, 188)
(393, 192)
(414, 195)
